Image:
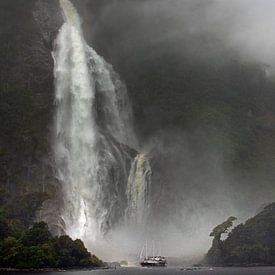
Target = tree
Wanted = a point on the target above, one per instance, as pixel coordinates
(222, 228)
(4, 228)
(215, 253)
(38, 234)
(10, 251)
(64, 247)
(39, 256)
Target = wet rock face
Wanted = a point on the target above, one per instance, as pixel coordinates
(26, 88)
(27, 33)
(115, 163)
(27, 30)
(95, 195)
(48, 17)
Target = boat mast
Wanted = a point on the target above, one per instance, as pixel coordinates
(146, 256)
(141, 253)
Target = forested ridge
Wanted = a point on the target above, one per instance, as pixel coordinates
(249, 243)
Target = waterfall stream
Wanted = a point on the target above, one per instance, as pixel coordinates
(138, 190)
(93, 138)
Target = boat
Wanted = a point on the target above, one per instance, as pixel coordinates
(152, 261)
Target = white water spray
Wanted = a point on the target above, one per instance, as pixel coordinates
(82, 137)
(75, 127)
(138, 190)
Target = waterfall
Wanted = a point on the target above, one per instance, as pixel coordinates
(138, 190)
(92, 133)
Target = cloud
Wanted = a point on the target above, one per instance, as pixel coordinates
(246, 27)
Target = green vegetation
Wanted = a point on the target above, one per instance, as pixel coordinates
(222, 228)
(25, 244)
(36, 248)
(251, 243)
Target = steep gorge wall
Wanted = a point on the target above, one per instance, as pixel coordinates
(218, 116)
(26, 107)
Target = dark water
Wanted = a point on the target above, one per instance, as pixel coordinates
(164, 271)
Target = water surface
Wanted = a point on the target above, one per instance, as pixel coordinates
(164, 271)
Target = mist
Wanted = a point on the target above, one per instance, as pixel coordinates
(194, 187)
(244, 27)
(194, 72)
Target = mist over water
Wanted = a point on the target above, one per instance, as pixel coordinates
(180, 42)
(116, 197)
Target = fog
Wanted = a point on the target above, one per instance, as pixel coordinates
(252, 30)
(243, 26)
(192, 190)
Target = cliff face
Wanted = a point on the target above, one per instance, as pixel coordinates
(27, 112)
(26, 106)
(203, 115)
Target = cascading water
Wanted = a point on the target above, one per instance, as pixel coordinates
(75, 131)
(92, 136)
(138, 190)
